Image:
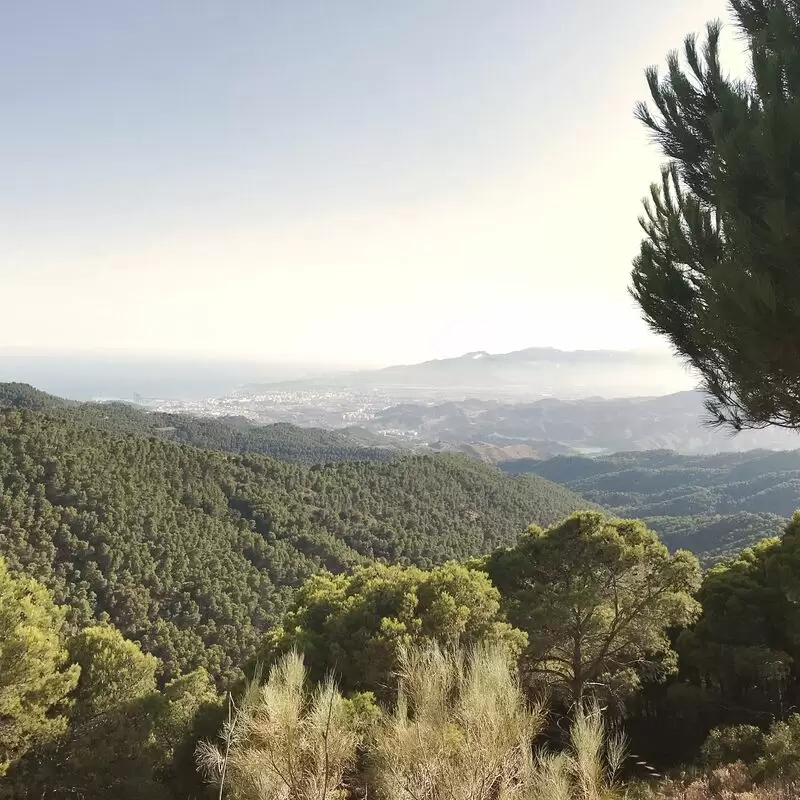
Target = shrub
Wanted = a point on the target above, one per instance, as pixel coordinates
(781, 759)
(729, 743)
(283, 741)
(461, 726)
(462, 729)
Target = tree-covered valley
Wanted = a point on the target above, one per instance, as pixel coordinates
(193, 551)
(713, 505)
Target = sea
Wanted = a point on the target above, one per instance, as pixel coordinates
(79, 377)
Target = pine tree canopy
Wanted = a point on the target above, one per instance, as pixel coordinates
(718, 272)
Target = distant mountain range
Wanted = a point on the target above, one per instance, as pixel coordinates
(534, 372)
(558, 427)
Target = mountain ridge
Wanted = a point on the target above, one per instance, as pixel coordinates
(233, 434)
(528, 372)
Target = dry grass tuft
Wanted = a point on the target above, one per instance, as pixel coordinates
(587, 769)
(463, 730)
(283, 742)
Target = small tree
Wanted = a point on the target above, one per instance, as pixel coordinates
(283, 741)
(34, 676)
(717, 273)
(124, 738)
(461, 729)
(727, 744)
(114, 670)
(597, 597)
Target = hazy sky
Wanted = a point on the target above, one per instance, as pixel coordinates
(354, 181)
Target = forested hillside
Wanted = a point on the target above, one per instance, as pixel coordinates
(232, 434)
(192, 551)
(714, 505)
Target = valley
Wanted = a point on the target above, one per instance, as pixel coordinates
(713, 503)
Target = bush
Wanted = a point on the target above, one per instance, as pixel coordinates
(781, 759)
(461, 728)
(729, 743)
(284, 741)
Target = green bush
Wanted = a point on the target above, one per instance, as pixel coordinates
(729, 743)
(781, 759)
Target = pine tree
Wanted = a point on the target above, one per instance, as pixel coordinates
(35, 678)
(718, 272)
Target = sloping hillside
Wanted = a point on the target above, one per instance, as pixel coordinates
(191, 551)
(714, 505)
(232, 434)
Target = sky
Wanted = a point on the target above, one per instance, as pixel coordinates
(358, 182)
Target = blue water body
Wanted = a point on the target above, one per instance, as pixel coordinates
(92, 377)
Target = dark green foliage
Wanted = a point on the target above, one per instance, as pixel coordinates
(355, 625)
(717, 273)
(22, 395)
(781, 759)
(137, 748)
(713, 505)
(744, 651)
(231, 434)
(771, 756)
(191, 552)
(81, 716)
(596, 597)
(35, 676)
(729, 743)
(717, 538)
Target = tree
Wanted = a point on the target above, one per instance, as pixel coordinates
(745, 648)
(190, 710)
(737, 652)
(113, 670)
(35, 678)
(717, 273)
(597, 597)
(356, 624)
(140, 747)
(284, 741)
(124, 737)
